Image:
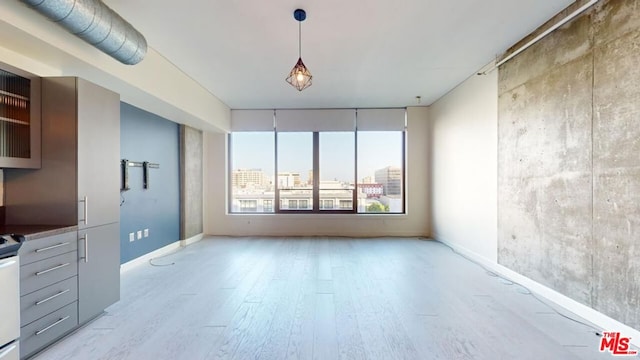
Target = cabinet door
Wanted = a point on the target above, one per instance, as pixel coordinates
(98, 155)
(98, 270)
(49, 195)
(19, 118)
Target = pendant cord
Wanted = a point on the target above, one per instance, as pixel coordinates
(300, 39)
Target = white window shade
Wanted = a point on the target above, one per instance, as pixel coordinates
(251, 120)
(381, 119)
(316, 120)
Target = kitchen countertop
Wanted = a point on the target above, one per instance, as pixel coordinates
(33, 232)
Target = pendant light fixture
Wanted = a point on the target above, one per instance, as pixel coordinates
(299, 77)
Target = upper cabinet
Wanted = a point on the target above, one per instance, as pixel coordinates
(79, 180)
(98, 126)
(19, 118)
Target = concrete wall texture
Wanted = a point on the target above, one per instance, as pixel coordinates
(191, 182)
(569, 161)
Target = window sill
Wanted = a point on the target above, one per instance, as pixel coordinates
(324, 216)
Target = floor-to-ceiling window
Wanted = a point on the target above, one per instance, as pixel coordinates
(317, 161)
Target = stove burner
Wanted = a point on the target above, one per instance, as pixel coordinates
(9, 245)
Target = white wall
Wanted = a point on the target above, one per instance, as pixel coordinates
(414, 223)
(464, 138)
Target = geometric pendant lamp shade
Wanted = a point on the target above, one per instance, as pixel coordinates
(299, 77)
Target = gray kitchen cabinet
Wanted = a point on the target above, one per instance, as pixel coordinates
(46, 330)
(98, 284)
(19, 118)
(98, 155)
(97, 114)
(78, 184)
(80, 160)
(48, 290)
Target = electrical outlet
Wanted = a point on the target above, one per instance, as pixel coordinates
(132, 236)
(139, 234)
(146, 232)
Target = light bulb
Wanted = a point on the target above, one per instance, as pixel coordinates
(300, 76)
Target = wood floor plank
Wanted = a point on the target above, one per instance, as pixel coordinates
(325, 340)
(323, 298)
(324, 260)
(255, 340)
(350, 343)
(300, 344)
(384, 337)
(251, 268)
(277, 339)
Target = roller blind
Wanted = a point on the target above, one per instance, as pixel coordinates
(381, 119)
(316, 120)
(251, 120)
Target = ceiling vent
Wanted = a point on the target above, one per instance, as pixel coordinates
(97, 24)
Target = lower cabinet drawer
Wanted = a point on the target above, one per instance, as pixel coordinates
(44, 301)
(39, 249)
(42, 332)
(40, 274)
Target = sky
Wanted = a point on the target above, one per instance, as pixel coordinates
(376, 150)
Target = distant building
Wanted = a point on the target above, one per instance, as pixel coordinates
(394, 202)
(288, 180)
(243, 178)
(391, 180)
(367, 180)
(334, 199)
(371, 190)
(332, 184)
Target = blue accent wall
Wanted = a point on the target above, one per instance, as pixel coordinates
(148, 137)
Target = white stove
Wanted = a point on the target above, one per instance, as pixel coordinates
(10, 297)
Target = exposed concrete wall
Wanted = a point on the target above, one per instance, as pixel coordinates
(464, 133)
(569, 164)
(191, 182)
(616, 162)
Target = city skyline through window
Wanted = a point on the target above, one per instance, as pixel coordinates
(380, 171)
(254, 150)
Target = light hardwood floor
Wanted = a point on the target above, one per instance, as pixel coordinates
(323, 298)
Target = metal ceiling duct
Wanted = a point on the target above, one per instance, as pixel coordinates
(97, 24)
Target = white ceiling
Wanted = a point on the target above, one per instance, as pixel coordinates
(362, 53)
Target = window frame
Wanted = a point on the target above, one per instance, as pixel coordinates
(315, 190)
(403, 175)
(315, 199)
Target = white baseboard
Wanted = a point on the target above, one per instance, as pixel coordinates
(191, 240)
(597, 318)
(146, 257)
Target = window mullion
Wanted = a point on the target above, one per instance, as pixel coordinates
(276, 185)
(229, 175)
(316, 171)
(403, 191)
(355, 170)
